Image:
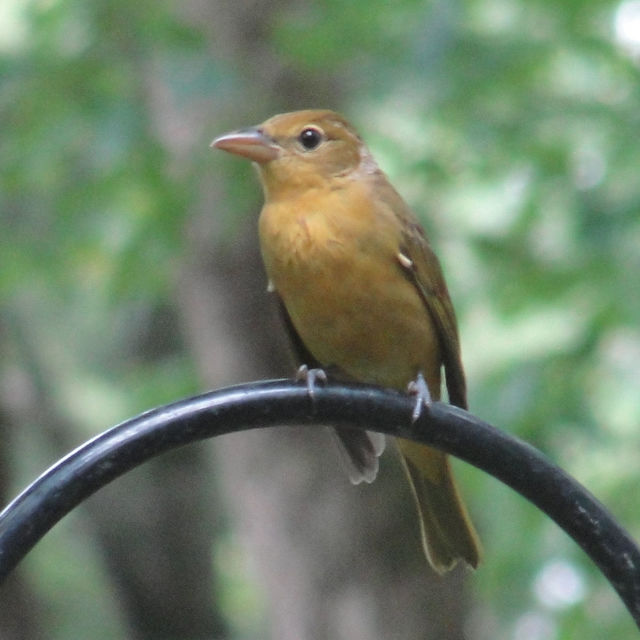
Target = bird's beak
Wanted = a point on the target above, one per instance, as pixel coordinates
(251, 143)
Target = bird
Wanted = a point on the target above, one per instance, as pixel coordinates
(362, 295)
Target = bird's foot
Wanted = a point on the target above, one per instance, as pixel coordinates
(420, 390)
(311, 377)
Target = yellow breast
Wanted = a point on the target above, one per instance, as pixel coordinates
(335, 264)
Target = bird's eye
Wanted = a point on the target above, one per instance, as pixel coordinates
(310, 138)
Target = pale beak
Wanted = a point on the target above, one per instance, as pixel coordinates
(251, 143)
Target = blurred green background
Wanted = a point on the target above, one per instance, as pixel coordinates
(130, 277)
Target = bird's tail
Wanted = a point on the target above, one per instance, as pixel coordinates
(447, 532)
(360, 451)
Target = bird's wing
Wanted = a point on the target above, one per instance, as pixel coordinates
(422, 267)
(425, 271)
(301, 354)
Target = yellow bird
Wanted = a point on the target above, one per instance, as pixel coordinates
(362, 292)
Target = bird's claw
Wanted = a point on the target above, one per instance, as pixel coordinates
(420, 390)
(311, 377)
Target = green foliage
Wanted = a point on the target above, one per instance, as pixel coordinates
(511, 127)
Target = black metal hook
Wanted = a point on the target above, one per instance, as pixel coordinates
(93, 465)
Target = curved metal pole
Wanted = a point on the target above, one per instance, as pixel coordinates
(93, 465)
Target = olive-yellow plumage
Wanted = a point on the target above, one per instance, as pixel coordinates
(362, 291)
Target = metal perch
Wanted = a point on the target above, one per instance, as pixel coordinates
(281, 402)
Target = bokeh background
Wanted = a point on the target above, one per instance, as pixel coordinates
(130, 277)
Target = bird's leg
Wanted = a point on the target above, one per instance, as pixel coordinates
(311, 377)
(420, 390)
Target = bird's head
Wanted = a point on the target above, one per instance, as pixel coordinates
(300, 150)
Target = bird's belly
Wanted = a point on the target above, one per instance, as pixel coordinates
(360, 314)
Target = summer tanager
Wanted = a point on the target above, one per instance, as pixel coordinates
(362, 293)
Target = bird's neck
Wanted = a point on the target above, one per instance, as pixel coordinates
(281, 185)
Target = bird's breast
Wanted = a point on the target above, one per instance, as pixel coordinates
(348, 297)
